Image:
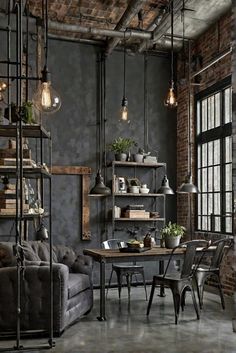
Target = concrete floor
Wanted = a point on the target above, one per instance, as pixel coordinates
(128, 330)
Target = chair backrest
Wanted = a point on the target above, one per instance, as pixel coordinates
(113, 244)
(222, 246)
(189, 256)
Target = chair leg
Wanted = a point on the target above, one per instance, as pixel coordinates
(176, 299)
(144, 284)
(221, 292)
(109, 283)
(151, 296)
(195, 303)
(183, 298)
(199, 289)
(119, 282)
(128, 281)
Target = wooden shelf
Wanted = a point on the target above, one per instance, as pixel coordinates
(36, 131)
(135, 164)
(140, 219)
(28, 172)
(25, 215)
(138, 195)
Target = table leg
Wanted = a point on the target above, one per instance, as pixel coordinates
(161, 271)
(102, 316)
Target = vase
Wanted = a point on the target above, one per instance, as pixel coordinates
(172, 241)
(138, 158)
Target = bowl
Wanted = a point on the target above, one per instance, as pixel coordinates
(144, 190)
(135, 245)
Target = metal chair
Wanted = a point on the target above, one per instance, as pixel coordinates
(123, 270)
(180, 281)
(204, 272)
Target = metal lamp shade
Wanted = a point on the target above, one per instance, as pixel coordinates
(165, 188)
(188, 186)
(42, 233)
(100, 188)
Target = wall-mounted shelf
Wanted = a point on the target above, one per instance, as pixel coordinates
(128, 194)
(27, 131)
(140, 219)
(135, 164)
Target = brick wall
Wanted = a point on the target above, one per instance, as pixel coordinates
(214, 41)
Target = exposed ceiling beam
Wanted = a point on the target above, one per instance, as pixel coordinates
(132, 10)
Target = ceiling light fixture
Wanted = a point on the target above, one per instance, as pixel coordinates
(171, 100)
(100, 188)
(3, 87)
(124, 104)
(165, 187)
(46, 99)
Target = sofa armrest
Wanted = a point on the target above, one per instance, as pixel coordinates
(35, 296)
(83, 264)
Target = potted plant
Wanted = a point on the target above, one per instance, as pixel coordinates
(172, 234)
(121, 146)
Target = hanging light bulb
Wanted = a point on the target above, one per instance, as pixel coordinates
(171, 100)
(124, 111)
(124, 103)
(46, 99)
(3, 87)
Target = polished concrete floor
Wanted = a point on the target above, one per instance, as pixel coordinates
(128, 330)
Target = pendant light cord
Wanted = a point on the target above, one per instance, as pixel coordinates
(124, 53)
(189, 112)
(172, 40)
(46, 32)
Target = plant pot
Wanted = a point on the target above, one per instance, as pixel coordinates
(138, 158)
(172, 241)
(122, 157)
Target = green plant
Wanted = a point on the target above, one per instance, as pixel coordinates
(27, 113)
(173, 230)
(121, 145)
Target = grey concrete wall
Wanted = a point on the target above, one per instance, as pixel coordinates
(75, 129)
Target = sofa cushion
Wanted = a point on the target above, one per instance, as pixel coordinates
(77, 283)
(7, 258)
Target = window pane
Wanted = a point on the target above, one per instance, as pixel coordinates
(199, 223)
(204, 204)
(210, 179)
(217, 203)
(217, 109)
(204, 223)
(217, 224)
(210, 153)
(204, 115)
(211, 112)
(228, 202)
(227, 105)
(228, 224)
(204, 154)
(204, 180)
(228, 149)
(210, 204)
(199, 156)
(217, 152)
(217, 178)
(198, 118)
(228, 177)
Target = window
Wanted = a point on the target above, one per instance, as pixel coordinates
(214, 159)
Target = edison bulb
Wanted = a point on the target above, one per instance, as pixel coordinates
(171, 100)
(124, 111)
(46, 99)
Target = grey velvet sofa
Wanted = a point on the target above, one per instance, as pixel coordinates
(72, 287)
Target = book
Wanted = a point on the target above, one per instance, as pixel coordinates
(11, 153)
(137, 214)
(135, 207)
(11, 162)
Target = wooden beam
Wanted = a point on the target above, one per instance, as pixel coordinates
(70, 170)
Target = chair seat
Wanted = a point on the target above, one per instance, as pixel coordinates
(127, 266)
(205, 268)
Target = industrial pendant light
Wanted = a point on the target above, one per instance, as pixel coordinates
(165, 188)
(46, 99)
(188, 186)
(124, 103)
(171, 100)
(100, 188)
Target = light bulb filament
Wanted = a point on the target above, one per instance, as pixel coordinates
(46, 96)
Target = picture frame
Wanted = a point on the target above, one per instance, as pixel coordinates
(133, 182)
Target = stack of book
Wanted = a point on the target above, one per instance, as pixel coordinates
(8, 157)
(136, 211)
(8, 201)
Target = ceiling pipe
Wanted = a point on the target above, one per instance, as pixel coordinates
(164, 26)
(117, 34)
(132, 10)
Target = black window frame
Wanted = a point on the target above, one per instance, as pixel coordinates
(220, 132)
